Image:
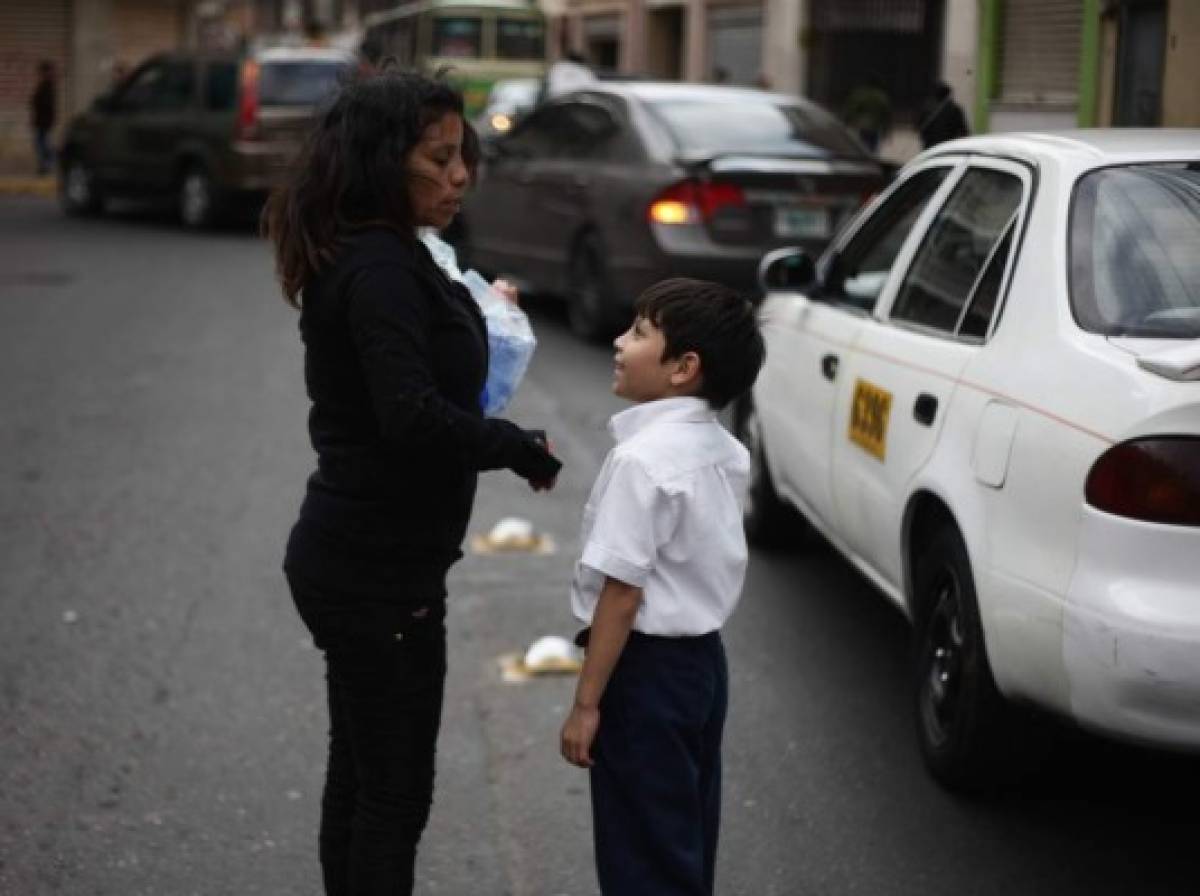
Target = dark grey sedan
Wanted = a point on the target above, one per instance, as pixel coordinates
(599, 193)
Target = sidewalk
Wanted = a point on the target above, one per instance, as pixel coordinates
(28, 185)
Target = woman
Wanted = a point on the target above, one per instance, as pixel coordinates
(395, 361)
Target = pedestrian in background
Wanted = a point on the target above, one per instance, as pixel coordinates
(395, 363)
(663, 561)
(941, 118)
(868, 112)
(43, 113)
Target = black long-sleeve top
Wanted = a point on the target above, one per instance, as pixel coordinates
(395, 361)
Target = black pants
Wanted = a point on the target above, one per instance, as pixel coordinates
(385, 706)
(656, 782)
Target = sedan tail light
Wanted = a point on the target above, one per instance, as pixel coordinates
(690, 202)
(1156, 480)
(247, 120)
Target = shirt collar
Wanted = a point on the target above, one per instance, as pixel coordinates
(687, 409)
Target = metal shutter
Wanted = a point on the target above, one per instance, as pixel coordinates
(29, 32)
(1040, 43)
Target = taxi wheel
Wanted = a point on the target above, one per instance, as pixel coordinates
(960, 713)
(767, 520)
(590, 310)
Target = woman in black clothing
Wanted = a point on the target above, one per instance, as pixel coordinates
(395, 362)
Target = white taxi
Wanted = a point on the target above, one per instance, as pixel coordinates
(987, 396)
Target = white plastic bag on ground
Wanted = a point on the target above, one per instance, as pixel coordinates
(510, 337)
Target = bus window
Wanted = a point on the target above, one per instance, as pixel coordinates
(457, 38)
(520, 39)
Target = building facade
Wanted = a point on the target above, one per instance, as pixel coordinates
(1048, 64)
(92, 42)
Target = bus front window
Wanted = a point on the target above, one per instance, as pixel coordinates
(457, 38)
(520, 39)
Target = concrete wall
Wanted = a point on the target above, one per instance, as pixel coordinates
(960, 49)
(1181, 72)
(783, 51)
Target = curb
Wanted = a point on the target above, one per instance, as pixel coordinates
(28, 186)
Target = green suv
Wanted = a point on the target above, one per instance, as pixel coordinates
(207, 131)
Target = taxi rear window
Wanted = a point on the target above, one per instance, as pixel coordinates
(1135, 270)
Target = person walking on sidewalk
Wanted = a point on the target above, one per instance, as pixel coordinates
(663, 561)
(395, 363)
(43, 113)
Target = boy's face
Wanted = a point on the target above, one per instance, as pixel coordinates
(641, 374)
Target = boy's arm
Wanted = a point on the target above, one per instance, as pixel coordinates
(611, 623)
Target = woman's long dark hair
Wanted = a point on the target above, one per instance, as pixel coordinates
(351, 170)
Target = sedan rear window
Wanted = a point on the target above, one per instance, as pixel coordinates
(1135, 270)
(754, 126)
(298, 83)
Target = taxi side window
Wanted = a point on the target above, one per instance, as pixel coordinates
(856, 275)
(949, 267)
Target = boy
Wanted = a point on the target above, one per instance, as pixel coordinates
(663, 561)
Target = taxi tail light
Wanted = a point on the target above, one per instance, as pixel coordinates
(247, 119)
(1156, 480)
(690, 201)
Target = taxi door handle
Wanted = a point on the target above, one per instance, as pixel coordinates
(925, 409)
(829, 366)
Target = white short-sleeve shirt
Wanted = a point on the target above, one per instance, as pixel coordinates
(665, 515)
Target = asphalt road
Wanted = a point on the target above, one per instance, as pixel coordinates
(161, 708)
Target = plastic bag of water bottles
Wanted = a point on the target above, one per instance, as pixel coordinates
(510, 337)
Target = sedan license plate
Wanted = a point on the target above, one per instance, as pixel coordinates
(802, 222)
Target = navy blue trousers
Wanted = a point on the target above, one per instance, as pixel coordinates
(656, 782)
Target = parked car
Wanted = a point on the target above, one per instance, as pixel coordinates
(600, 192)
(205, 130)
(987, 396)
(508, 101)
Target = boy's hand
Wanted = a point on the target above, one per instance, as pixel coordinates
(578, 732)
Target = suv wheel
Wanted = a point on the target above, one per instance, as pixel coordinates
(78, 190)
(198, 204)
(960, 714)
(589, 303)
(768, 521)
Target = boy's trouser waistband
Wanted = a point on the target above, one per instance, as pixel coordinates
(581, 639)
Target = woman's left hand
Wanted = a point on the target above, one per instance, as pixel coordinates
(507, 289)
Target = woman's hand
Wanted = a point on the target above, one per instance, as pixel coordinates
(578, 732)
(507, 289)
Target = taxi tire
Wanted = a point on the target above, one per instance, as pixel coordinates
(768, 521)
(590, 311)
(961, 717)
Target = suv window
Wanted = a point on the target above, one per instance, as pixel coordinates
(220, 86)
(959, 244)
(143, 87)
(163, 85)
(1135, 270)
(300, 83)
(856, 275)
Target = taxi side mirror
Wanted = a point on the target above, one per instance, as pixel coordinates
(789, 268)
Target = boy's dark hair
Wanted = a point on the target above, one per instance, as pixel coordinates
(714, 322)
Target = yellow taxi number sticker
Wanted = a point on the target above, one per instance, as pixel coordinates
(869, 418)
